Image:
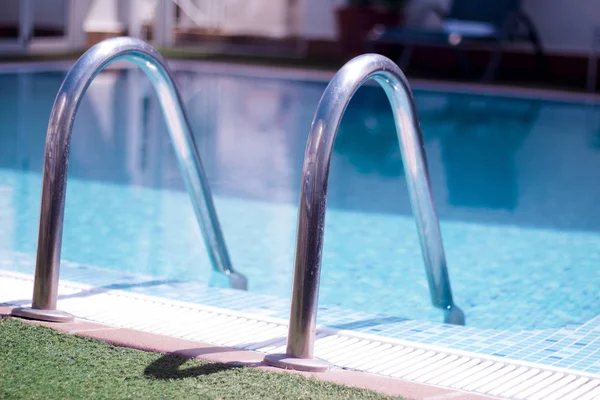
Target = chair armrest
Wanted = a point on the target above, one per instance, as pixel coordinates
(379, 30)
(532, 30)
(429, 9)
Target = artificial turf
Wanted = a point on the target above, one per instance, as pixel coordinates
(41, 363)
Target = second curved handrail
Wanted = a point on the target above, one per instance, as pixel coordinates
(54, 182)
(313, 198)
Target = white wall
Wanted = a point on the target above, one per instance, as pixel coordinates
(318, 19)
(10, 12)
(238, 17)
(565, 26)
(105, 16)
(234, 17)
(256, 17)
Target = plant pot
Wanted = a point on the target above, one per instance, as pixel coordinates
(354, 23)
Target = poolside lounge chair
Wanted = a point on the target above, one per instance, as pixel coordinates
(493, 21)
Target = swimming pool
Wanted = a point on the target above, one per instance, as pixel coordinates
(519, 217)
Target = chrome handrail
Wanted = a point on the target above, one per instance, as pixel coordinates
(593, 56)
(313, 197)
(56, 156)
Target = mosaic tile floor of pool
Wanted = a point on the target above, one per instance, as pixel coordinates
(575, 346)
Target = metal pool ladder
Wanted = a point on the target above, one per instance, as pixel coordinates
(313, 198)
(54, 183)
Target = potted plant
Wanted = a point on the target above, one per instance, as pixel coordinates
(355, 18)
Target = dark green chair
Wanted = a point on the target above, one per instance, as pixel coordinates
(493, 21)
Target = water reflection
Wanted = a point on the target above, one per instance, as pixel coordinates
(491, 159)
(367, 138)
(479, 141)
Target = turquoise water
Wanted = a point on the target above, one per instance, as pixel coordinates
(515, 181)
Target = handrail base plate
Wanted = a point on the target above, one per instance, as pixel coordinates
(298, 364)
(42, 315)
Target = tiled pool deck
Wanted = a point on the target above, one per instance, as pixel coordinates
(147, 341)
(575, 347)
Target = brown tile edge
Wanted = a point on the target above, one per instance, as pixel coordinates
(217, 354)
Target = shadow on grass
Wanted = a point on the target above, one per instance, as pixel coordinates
(169, 367)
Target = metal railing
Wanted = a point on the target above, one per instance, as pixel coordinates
(54, 182)
(313, 197)
(594, 54)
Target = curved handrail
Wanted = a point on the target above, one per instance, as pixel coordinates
(313, 197)
(56, 156)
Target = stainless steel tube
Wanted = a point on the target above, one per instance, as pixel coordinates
(56, 162)
(313, 197)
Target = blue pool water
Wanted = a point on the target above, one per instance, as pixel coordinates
(515, 181)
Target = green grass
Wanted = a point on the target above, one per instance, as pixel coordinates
(40, 363)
